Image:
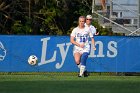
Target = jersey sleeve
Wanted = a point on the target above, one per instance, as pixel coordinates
(73, 33)
(93, 30)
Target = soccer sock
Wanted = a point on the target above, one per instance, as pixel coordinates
(83, 62)
(79, 65)
(84, 58)
(82, 69)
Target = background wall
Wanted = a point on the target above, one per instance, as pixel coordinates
(113, 54)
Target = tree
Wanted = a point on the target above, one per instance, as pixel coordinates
(4, 16)
(48, 17)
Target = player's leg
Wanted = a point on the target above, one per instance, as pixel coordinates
(84, 57)
(77, 57)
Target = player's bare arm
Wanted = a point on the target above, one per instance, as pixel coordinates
(93, 43)
(75, 43)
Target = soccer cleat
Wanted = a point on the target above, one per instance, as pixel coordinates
(79, 75)
(86, 74)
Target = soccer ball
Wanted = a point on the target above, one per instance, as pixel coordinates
(32, 60)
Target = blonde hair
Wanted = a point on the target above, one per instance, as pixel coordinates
(82, 17)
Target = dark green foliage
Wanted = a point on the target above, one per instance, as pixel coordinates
(43, 17)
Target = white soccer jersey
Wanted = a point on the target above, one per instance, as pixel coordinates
(82, 36)
(92, 28)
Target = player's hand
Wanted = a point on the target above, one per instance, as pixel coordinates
(94, 48)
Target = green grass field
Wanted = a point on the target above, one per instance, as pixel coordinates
(53, 83)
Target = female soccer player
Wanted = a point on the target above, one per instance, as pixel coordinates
(80, 38)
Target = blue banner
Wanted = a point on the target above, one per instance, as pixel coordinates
(55, 54)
